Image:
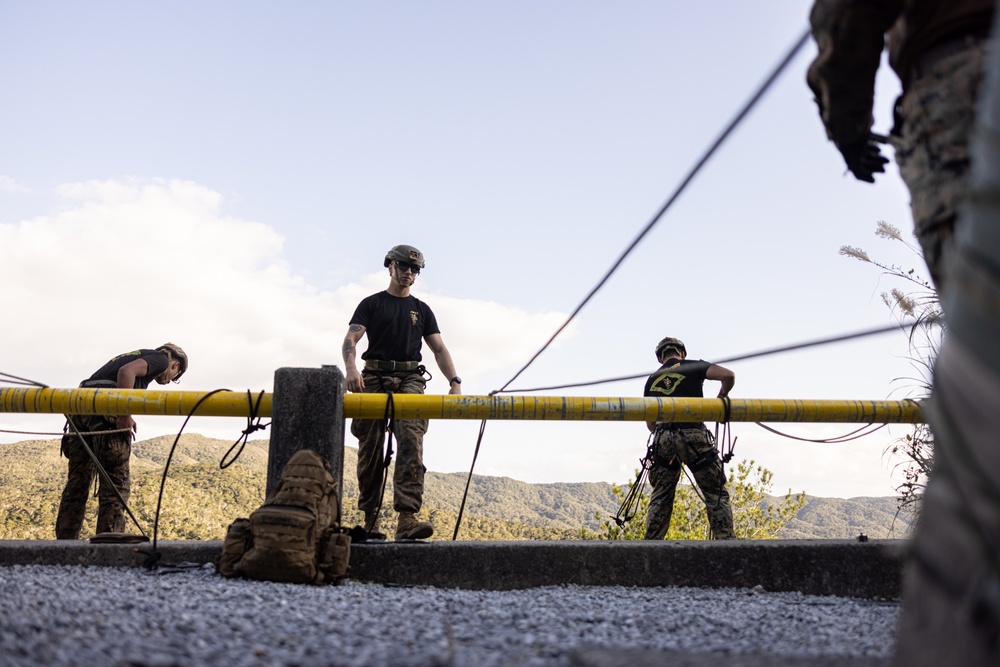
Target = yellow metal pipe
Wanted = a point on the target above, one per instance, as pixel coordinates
(579, 408)
(417, 406)
(130, 402)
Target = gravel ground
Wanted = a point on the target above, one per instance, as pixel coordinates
(74, 615)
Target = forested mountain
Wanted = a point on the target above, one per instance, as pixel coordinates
(200, 499)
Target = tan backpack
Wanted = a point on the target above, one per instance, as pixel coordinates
(295, 536)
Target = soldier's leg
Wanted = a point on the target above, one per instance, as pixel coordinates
(79, 477)
(408, 480)
(951, 589)
(371, 462)
(113, 452)
(663, 477)
(701, 456)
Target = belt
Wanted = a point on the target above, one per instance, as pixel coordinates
(98, 384)
(677, 426)
(382, 365)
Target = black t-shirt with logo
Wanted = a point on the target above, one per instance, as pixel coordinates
(678, 378)
(396, 326)
(156, 360)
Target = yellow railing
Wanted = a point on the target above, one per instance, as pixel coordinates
(414, 406)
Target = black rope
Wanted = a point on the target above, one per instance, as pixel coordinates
(747, 107)
(468, 480)
(706, 156)
(19, 380)
(742, 357)
(847, 437)
(104, 473)
(389, 424)
(152, 554)
(725, 442)
(252, 426)
(630, 504)
(104, 432)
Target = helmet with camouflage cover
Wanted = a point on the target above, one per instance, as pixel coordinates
(177, 353)
(668, 343)
(404, 253)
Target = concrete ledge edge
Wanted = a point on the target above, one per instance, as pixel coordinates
(846, 568)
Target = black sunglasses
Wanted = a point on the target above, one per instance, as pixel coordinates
(406, 266)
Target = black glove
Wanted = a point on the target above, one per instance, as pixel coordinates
(864, 158)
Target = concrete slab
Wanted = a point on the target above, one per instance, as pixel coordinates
(819, 567)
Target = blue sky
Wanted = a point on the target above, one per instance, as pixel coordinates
(230, 176)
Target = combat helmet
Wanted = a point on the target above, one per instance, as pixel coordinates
(177, 353)
(404, 253)
(669, 342)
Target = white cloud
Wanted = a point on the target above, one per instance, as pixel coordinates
(8, 184)
(135, 263)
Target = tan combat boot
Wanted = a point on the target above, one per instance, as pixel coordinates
(408, 528)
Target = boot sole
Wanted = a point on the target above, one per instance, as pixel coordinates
(416, 534)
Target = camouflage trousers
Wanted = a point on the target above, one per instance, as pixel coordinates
(951, 586)
(408, 478)
(934, 121)
(691, 447)
(113, 452)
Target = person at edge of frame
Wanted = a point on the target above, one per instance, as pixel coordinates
(937, 50)
(397, 323)
(677, 444)
(110, 440)
(950, 612)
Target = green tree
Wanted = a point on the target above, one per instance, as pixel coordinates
(920, 308)
(755, 516)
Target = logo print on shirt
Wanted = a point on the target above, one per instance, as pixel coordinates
(666, 384)
(414, 317)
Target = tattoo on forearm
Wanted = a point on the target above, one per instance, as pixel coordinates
(348, 350)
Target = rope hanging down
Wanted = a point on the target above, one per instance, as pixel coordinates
(706, 156)
(153, 555)
(389, 424)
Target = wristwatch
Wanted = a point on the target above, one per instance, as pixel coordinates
(455, 380)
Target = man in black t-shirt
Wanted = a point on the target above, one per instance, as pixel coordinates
(397, 324)
(681, 443)
(109, 439)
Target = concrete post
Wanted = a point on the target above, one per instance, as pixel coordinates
(307, 412)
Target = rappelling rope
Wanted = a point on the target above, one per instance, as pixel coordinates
(742, 357)
(152, 554)
(252, 426)
(702, 161)
(862, 432)
(105, 477)
(389, 424)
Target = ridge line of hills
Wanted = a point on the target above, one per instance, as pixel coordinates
(200, 500)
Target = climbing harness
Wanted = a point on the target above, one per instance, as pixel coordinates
(630, 505)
